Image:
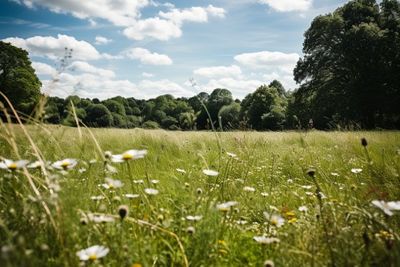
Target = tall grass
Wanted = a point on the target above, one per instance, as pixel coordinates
(337, 224)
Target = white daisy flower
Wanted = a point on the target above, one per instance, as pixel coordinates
(131, 196)
(303, 208)
(138, 181)
(266, 240)
(231, 155)
(65, 164)
(97, 198)
(92, 253)
(226, 206)
(181, 170)
(194, 218)
(210, 172)
(387, 207)
(35, 165)
(308, 187)
(274, 219)
(249, 189)
(151, 191)
(112, 184)
(356, 170)
(154, 181)
(264, 194)
(129, 155)
(13, 165)
(334, 174)
(99, 218)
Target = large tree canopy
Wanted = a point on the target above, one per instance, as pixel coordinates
(18, 80)
(351, 65)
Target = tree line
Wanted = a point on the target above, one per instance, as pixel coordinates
(348, 77)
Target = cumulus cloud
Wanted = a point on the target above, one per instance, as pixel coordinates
(161, 87)
(147, 57)
(43, 69)
(120, 13)
(193, 14)
(147, 75)
(238, 87)
(55, 47)
(81, 66)
(269, 60)
(100, 40)
(219, 71)
(288, 5)
(156, 28)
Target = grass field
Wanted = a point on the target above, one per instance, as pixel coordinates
(283, 199)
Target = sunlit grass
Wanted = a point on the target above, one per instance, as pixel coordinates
(201, 198)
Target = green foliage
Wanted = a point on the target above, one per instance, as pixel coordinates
(150, 125)
(229, 115)
(98, 116)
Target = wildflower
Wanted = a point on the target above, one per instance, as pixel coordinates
(292, 220)
(249, 189)
(151, 191)
(112, 184)
(241, 222)
(266, 240)
(108, 154)
(231, 155)
(181, 170)
(92, 253)
(129, 155)
(334, 174)
(264, 194)
(99, 218)
(210, 172)
(289, 181)
(136, 265)
(97, 198)
(387, 207)
(13, 165)
(154, 181)
(308, 187)
(35, 165)
(385, 235)
(199, 191)
(311, 172)
(190, 230)
(110, 169)
(226, 206)
(194, 218)
(65, 164)
(356, 170)
(123, 211)
(131, 196)
(303, 209)
(138, 181)
(274, 219)
(269, 263)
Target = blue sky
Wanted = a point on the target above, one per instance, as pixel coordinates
(145, 48)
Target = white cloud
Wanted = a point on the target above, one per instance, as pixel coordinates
(81, 66)
(43, 69)
(147, 75)
(286, 80)
(219, 71)
(193, 14)
(100, 40)
(161, 87)
(147, 57)
(288, 5)
(55, 48)
(120, 13)
(269, 60)
(156, 28)
(239, 87)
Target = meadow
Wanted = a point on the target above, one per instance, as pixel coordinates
(166, 198)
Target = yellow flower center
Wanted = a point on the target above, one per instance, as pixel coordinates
(127, 156)
(136, 265)
(64, 164)
(274, 221)
(12, 166)
(93, 257)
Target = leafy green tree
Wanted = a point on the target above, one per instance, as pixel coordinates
(18, 80)
(229, 115)
(150, 125)
(98, 116)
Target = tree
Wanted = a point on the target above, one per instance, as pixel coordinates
(18, 80)
(217, 99)
(264, 109)
(351, 64)
(98, 116)
(229, 115)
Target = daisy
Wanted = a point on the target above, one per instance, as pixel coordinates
(129, 155)
(266, 240)
(210, 172)
(181, 170)
(154, 181)
(97, 198)
(303, 208)
(226, 206)
(65, 164)
(99, 218)
(231, 155)
(131, 196)
(249, 189)
(356, 170)
(151, 191)
(111, 184)
(194, 218)
(274, 219)
(35, 165)
(13, 165)
(92, 253)
(387, 207)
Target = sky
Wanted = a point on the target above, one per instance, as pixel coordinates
(147, 48)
